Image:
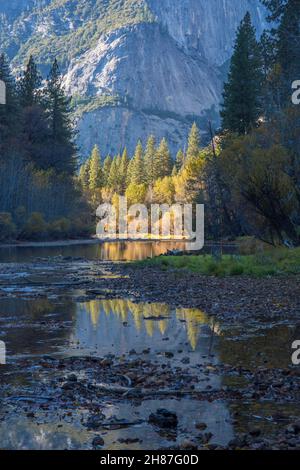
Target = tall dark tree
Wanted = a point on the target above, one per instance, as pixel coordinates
(10, 111)
(242, 95)
(35, 130)
(61, 134)
(285, 14)
(30, 85)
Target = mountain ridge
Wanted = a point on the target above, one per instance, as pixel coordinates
(133, 67)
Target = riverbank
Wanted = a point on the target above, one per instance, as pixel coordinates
(97, 349)
(274, 262)
(55, 243)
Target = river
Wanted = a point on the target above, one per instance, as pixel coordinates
(62, 322)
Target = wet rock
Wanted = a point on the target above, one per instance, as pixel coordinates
(129, 440)
(98, 441)
(169, 354)
(205, 438)
(201, 426)
(296, 427)
(72, 378)
(163, 419)
(185, 360)
(188, 445)
(255, 432)
(68, 386)
(95, 421)
(132, 352)
(236, 443)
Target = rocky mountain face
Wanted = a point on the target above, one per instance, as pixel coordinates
(133, 67)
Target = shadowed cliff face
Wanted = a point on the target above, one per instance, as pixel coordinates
(204, 27)
(134, 67)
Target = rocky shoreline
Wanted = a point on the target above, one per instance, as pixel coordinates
(263, 398)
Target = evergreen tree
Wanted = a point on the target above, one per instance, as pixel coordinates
(164, 160)
(150, 160)
(84, 175)
(270, 79)
(113, 179)
(30, 84)
(106, 169)
(35, 130)
(193, 143)
(10, 111)
(136, 170)
(242, 95)
(179, 160)
(124, 170)
(95, 171)
(61, 140)
(118, 179)
(286, 39)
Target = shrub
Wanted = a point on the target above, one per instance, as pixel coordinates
(236, 270)
(7, 227)
(60, 228)
(35, 227)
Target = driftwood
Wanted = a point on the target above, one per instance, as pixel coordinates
(125, 391)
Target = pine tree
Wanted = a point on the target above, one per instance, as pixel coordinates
(136, 171)
(10, 111)
(84, 175)
(30, 84)
(193, 143)
(61, 141)
(106, 170)
(113, 179)
(150, 160)
(242, 95)
(179, 160)
(124, 170)
(95, 173)
(288, 49)
(164, 160)
(270, 79)
(35, 130)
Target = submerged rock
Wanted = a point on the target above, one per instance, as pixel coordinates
(163, 419)
(98, 441)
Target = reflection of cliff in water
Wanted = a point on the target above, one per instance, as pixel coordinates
(120, 325)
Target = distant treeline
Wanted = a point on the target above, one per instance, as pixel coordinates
(39, 193)
(248, 177)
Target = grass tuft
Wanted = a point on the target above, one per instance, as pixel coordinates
(275, 262)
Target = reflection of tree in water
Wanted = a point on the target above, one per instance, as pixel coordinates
(153, 316)
(130, 251)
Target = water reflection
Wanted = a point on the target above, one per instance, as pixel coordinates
(108, 251)
(97, 327)
(119, 325)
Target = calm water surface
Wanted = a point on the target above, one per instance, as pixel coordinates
(108, 251)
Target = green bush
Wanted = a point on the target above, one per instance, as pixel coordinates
(236, 270)
(7, 227)
(60, 228)
(35, 227)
